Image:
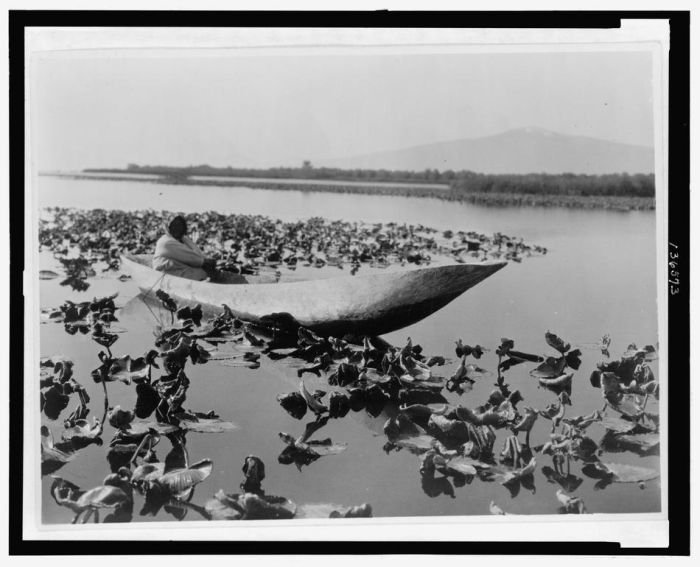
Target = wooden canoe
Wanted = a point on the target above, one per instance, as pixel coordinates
(371, 304)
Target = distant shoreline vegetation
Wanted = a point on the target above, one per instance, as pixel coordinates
(620, 191)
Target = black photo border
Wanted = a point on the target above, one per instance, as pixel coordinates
(678, 304)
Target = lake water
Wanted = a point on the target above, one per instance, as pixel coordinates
(598, 277)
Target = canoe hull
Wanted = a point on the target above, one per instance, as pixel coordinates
(372, 304)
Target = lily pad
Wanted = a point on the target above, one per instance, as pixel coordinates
(47, 275)
(462, 465)
(415, 443)
(126, 369)
(518, 474)
(623, 473)
(550, 368)
(204, 425)
(560, 384)
(137, 428)
(617, 424)
(179, 481)
(249, 506)
(327, 510)
(641, 441)
(556, 343)
(326, 447)
(631, 405)
(314, 405)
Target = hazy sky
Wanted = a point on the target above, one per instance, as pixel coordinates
(279, 110)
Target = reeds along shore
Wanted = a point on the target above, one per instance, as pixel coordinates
(456, 194)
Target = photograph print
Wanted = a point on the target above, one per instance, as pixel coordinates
(290, 278)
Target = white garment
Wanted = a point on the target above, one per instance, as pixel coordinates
(179, 258)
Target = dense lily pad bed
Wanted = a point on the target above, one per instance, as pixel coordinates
(151, 412)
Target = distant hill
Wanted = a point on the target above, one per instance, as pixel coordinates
(525, 150)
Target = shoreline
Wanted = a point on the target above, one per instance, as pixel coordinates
(609, 202)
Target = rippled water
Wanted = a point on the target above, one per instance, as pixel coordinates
(598, 277)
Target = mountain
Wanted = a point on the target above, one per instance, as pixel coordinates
(525, 150)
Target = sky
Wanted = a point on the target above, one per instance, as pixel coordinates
(262, 111)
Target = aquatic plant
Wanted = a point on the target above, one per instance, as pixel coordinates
(453, 443)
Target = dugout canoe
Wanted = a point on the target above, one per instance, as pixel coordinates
(371, 304)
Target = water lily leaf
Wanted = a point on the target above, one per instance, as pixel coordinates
(103, 338)
(224, 507)
(524, 356)
(47, 275)
(193, 314)
(293, 403)
(628, 473)
(641, 441)
(630, 405)
(137, 428)
(199, 354)
(250, 506)
(147, 400)
(178, 481)
(103, 497)
(338, 405)
(374, 376)
(445, 428)
(402, 425)
(436, 361)
(519, 474)
(618, 425)
(550, 368)
(166, 300)
(82, 430)
(416, 443)
(509, 362)
(147, 472)
(203, 425)
(582, 422)
(506, 345)
(54, 401)
(496, 510)
(573, 359)
(126, 369)
(570, 504)
(414, 369)
(556, 343)
(65, 493)
(559, 384)
(175, 358)
(327, 510)
(569, 482)
(462, 465)
(326, 447)
(279, 353)
(119, 418)
(52, 458)
(650, 354)
(314, 405)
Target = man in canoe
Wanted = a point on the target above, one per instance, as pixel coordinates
(177, 255)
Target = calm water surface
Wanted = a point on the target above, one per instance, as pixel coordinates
(598, 277)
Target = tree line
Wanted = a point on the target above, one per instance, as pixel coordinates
(460, 182)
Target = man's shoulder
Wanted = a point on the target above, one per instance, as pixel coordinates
(166, 238)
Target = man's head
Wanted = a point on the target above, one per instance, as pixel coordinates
(178, 227)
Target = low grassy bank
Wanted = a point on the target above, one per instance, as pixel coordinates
(512, 198)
